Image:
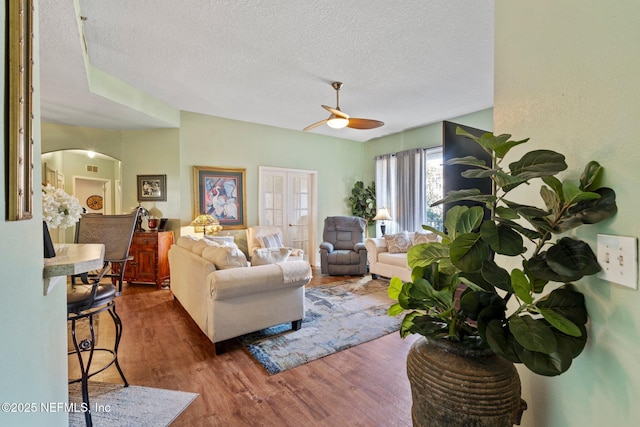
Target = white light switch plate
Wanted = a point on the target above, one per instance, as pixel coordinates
(618, 257)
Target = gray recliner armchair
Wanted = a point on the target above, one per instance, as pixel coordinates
(343, 252)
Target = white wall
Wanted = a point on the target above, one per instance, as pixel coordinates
(566, 75)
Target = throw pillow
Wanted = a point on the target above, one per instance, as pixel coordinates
(428, 237)
(398, 243)
(224, 257)
(221, 239)
(270, 241)
(269, 255)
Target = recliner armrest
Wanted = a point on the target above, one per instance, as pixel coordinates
(326, 246)
(359, 247)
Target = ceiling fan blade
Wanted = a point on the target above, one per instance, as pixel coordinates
(315, 125)
(336, 112)
(364, 123)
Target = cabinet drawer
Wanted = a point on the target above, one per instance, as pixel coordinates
(145, 240)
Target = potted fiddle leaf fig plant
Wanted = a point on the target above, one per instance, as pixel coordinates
(363, 202)
(504, 284)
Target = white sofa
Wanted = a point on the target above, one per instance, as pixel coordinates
(226, 303)
(387, 262)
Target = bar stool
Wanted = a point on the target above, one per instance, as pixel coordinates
(85, 301)
(88, 299)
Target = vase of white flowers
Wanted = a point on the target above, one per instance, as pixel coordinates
(59, 209)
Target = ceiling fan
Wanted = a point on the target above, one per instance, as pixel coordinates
(339, 120)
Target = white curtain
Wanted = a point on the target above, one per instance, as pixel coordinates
(401, 187)
(411, 194)
(386, 178)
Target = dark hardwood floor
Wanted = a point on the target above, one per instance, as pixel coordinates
(162, 347)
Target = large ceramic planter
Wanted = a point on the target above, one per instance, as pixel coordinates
(455, 386)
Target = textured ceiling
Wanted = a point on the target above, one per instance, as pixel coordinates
(406, 63)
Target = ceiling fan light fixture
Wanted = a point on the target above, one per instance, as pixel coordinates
(340, 120)
(337, 122)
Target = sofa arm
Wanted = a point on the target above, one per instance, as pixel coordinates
(235, 282)
(375, 245)
(186, 268)
(359, 247)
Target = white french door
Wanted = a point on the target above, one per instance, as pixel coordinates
(288, 201)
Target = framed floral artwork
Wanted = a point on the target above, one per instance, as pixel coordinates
(220, 192)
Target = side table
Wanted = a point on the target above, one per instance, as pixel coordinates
(150, 263)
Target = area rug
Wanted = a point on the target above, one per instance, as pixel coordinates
(114, 405)
(337, 317)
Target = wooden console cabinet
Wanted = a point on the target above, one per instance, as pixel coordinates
(150, 262)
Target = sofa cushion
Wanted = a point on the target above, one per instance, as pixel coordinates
(343, 257)
(398, 243)
(270, 241)
(427, 237)
(200, 246)
(265, 256)
(187, 242)
(224, 257)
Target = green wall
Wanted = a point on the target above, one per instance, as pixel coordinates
(566, 75)
(425, 136)
(151, 152)
(213, 141)
(57, 137)
(33, 349)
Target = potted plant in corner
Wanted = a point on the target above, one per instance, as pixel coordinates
(499, 291)
(363, 202)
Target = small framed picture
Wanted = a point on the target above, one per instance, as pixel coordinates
(152, 188)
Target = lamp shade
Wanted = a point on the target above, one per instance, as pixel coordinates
(206, 223)
(383, 214)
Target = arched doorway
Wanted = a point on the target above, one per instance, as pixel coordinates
(80, 172)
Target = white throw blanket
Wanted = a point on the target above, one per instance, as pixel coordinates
(295, 271)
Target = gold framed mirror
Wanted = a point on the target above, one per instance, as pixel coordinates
(20, 168)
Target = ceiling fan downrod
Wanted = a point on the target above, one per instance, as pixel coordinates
(337, 86)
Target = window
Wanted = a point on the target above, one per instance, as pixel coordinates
(433, 188)
(406, 184)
